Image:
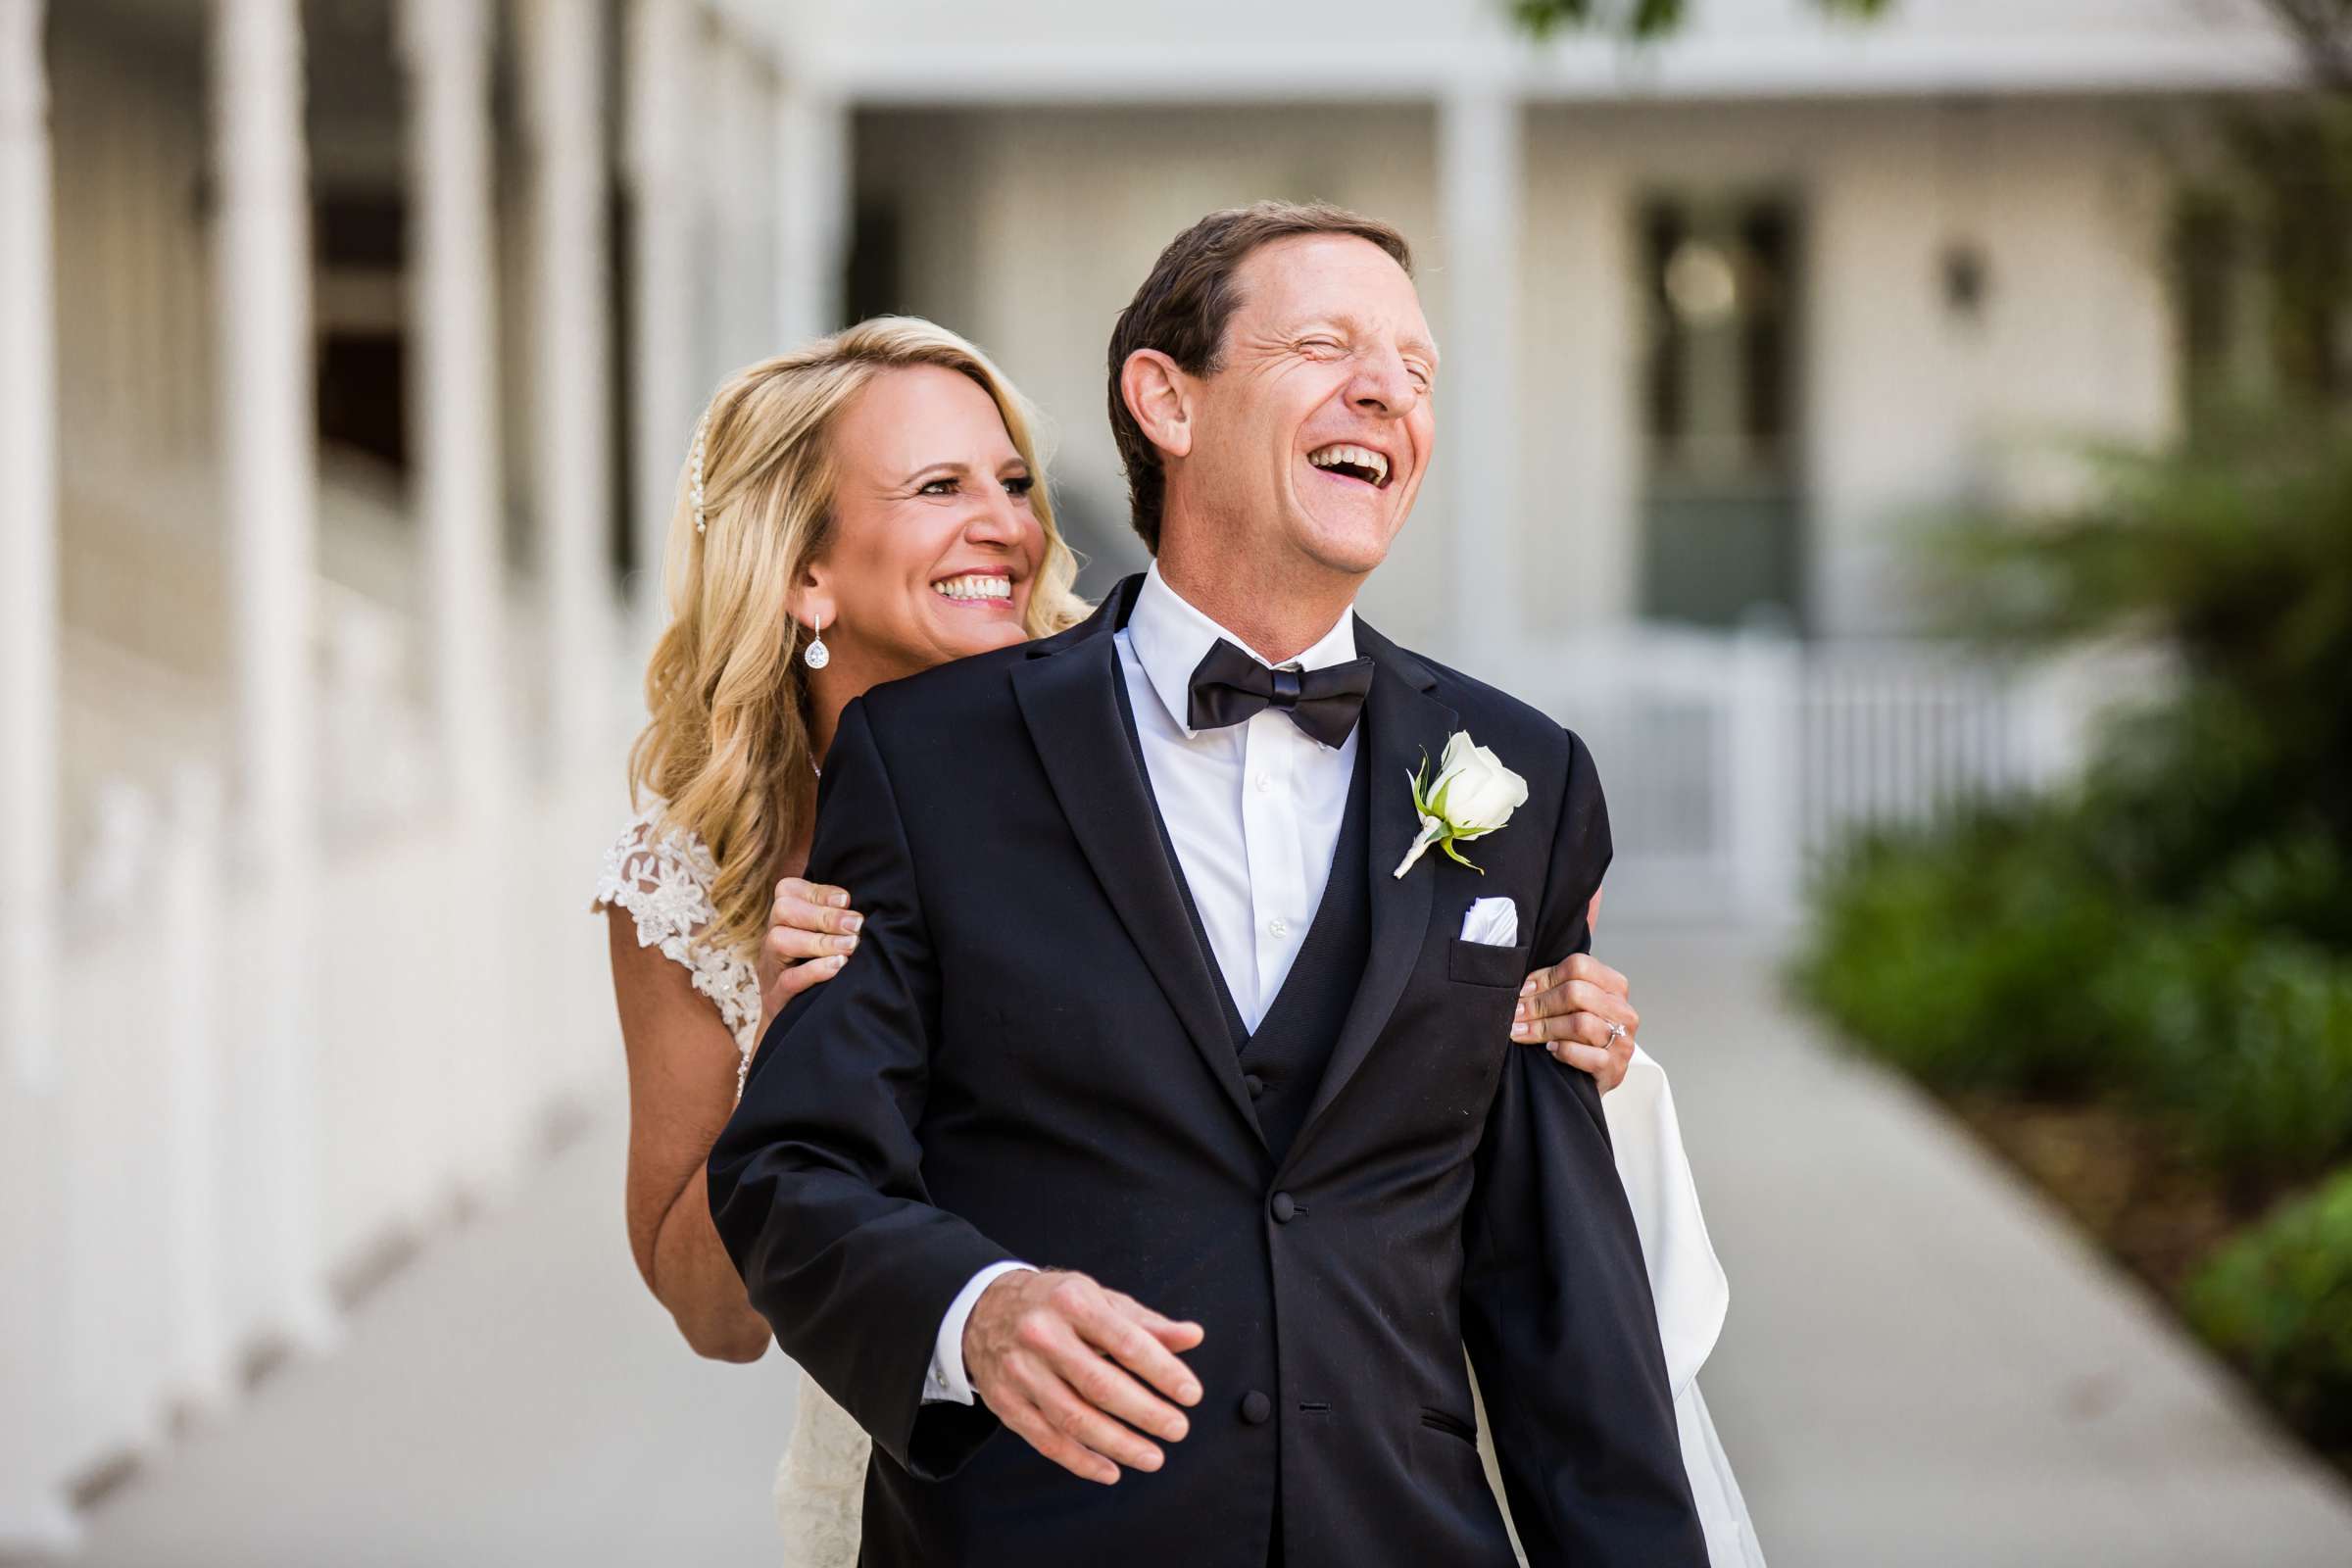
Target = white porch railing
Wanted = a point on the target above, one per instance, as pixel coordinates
(460, 1004)
(1731, 762)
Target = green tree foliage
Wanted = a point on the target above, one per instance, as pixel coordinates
(2235, 552)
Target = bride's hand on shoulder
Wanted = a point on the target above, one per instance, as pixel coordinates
(1568, 1010)
(811, 931)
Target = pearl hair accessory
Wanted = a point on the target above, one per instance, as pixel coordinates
(701, 431)
(816, 655)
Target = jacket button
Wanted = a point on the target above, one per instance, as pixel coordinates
(1255, 1085)
(1286, 1208)
(1257, 1408)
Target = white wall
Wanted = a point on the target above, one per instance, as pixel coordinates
(1906, 405)
(1911, 407)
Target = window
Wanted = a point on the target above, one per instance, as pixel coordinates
(1721, 433)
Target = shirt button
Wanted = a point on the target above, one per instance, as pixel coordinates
(1277, 927)
(1265, 782)
(1257, 1408)
(1285, 1209)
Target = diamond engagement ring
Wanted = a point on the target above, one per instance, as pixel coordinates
(1616, 1031)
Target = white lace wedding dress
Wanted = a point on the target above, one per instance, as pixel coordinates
(663, 877)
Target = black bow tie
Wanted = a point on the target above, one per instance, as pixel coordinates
(1229, 686)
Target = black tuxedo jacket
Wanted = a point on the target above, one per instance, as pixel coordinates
(1027, 1059)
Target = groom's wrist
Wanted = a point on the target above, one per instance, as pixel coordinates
(947, 1382)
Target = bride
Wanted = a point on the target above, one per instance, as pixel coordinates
(883, 485)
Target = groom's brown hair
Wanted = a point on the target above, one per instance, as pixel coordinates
(1183, 306)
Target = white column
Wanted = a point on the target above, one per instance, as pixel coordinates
(812, 211)
(189, 963)
(1481, 176)
(270, 458)
(454, 328)
(735, 113)
(563, 68)
(1758, 773)
(28, 592)
(33, 1514)
(665, 322)
(454, 331)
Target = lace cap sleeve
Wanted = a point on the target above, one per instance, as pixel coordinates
(663, 876)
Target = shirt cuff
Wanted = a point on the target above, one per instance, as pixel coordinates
(945, 1383)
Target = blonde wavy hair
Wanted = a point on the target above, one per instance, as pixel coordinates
(727, 749)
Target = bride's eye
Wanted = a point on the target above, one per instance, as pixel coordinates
(937, 487)
(1019, 488)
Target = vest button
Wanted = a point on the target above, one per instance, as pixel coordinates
(1285, 1209)
(1255, 1085)
(1257, 1408)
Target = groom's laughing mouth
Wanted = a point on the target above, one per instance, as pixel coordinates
(1347, 460)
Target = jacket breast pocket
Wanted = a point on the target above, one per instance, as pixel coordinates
(1483, 963)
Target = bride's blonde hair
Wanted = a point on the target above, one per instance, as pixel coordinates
(728, 748)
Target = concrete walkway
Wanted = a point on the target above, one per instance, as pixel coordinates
(1923, 1367)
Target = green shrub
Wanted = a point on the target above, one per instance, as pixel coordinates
(1993, 956)
(2278, 1302)
(1961, 956)
(2244, 1039)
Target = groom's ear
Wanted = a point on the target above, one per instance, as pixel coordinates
(1159, 395)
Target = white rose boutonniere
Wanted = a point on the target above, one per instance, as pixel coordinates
(1472, 796)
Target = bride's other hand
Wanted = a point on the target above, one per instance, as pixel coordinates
(1568, 1008)
(811, 931)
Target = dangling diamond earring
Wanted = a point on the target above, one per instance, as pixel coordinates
(816, 655)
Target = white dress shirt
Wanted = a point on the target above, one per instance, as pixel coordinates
(1253, 810)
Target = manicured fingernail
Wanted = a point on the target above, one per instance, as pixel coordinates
(844, 944)
(839, 899)
(1519, 1011)
(835, 962)
(1189, 1393)
(853, 922)
(1528, 989)
(1523, 1031)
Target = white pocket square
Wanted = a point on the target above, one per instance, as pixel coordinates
(1494, 922)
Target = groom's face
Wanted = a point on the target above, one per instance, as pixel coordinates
(1314, 431)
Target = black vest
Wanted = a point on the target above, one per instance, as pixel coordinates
(1283, 1063)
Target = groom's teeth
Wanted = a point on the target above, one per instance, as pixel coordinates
(971, 586)
(1371, 465)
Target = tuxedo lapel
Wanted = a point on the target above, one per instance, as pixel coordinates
(1069, 701)
(1402, 725)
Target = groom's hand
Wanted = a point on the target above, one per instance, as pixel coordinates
(1072, 1368)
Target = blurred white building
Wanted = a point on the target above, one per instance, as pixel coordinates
(349, 349)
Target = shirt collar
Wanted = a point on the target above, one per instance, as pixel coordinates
(1171, 637)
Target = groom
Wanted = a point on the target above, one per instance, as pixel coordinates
(1144, 1021)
